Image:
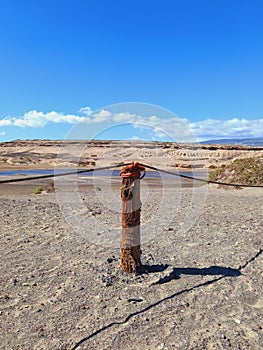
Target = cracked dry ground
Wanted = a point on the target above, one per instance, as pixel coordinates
(202, 289)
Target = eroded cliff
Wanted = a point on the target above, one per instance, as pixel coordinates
(49, 153)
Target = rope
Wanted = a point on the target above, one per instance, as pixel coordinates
(133, 171)
(62, 174)
(197, 178)
(131, 165)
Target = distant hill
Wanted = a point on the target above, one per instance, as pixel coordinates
(257, 141)
(47, 154)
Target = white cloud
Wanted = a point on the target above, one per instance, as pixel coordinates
(231, 128)
(35, 119)
(2, 133)
(5, 122)
(125, 117)
(85, 110)
(160, 128)
(159, 133)
(101, 116)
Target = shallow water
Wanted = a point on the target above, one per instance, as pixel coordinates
(107, 173)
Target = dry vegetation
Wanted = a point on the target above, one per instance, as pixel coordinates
(247, 171)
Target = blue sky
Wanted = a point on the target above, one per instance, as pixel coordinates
(200, 59)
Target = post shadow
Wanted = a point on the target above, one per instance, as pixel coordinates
(194, 271)
(145, 269)
(147, 308)
(219, 271)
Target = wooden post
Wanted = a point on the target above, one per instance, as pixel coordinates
(130, 254)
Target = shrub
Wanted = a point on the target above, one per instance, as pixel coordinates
(247, 171)
(38, 190)
(213, 176)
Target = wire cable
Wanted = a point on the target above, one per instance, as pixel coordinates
(20, 179)
(197, 178)
(126, 164)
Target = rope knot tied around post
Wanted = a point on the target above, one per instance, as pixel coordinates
(133, 171)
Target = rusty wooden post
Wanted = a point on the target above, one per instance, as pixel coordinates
(130, 254)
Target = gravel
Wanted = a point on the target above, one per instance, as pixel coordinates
(199, 288)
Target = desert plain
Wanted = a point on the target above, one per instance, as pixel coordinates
(61, 286)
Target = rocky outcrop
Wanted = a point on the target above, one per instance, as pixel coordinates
(49, 153)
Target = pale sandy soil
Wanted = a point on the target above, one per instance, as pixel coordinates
(62, 290)
(73, 153)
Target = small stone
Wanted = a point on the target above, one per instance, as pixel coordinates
(134, 300)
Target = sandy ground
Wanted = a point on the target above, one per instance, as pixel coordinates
(62, 289)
